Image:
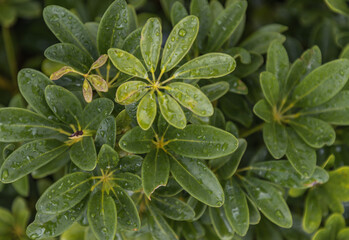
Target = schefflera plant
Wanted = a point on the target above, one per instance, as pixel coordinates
(56, 129)
(302, 102)
(153, 91)
(99, 197)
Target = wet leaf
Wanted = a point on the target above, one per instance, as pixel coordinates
(128, 181)
(159, 226)
(263, 110)
(201, 9)
(53, 166)
(216, 90)
(83, 154)
(61, 72)
(179, 42)
(220, 223)
(102, 216)
(151, 40)
(197, 179)
(178, 12)
(210, 65)
(87, 91)
(99, 62)
(155, 171)
(65, 193)
(270, 87)
(275, 138)
(30, 157)
(171, 111)
(113, 26)
(198, 207)
(130, 92)
(108, 158)
(22, 186)
(98, 82)
(106, 132)
(146, 111)
(95, 112)
(173, 208)
(337, 184)
(137, 141)
(312, 213)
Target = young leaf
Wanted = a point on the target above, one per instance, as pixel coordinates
(32, 84)
(225, 24)
(178, 12)
(173, 208)
(71, 55)
(127, 213)
(200, 141)
(179, 42)
(198, 180)
(308, 129)
(275, 138)
(137, 141)
(155, 171)
(312, 213)
(99, 62)
(106, 132)
(87, 91)
(61, 72)
(171, 111)
(301, 156)
(98, 82)
(130, 92)
(271, 204)
(151, 40)
(277, 62)
(17, 124)
(113, 26)
(127, 63)
(322, 84)
(235, 207)
(159, 226)
(108, 158)
(191, 98)
(83, 154)
(64, 104)
(65, 193)
(95, 112)
(146, 111)
(68, 28)
(30, 157)
(102, 216)
(270, 87)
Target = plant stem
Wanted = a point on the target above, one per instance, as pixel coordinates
(252, 130)
(10, 53)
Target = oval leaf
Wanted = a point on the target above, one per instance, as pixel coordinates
(130, 92)
(171, 111)
(146, 111)
(137, 141)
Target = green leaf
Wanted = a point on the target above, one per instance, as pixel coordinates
(137, 141)
(244, 70)
(210, 65)
(216, 90)
(178, 12)
(179, 42)
(68, 28)
(95, 112)
(151, 40)
(53, 166)
(198, 180)
(238, 52)
(235, 207)
(108, 158)
(255, 216)
(220, 223)
(98, 82)
(71, 55)
(83, 154)
(343, 234)
(315, 132)
(128, 181)
(30, 157)
(235, 107)
(200, 141)
(301, 156)
(159, 227)
(155, 171)
(171, 189)
(113, 26)
(338, 6)
(22, 186)
(53, 225)
(201, 9)
(275, 138)
(171, 111)
(322, 84)
(130, 163)
(130, 92)
(335, 111)
(64, 104)
(65, 193)
(32, 84)
(20, 212)
(18, 124)
(146, 111)
(131, 43)
(127, 213)
(225, 24)
(338, 184)
(102, 216)
(269, 201)
(260, 41)
(277, 62)
(312, 213)
(270, 87)
(198, 207)
(282, 173)
(230, 167)
(263, 110)
(127, 63)
(173, 208)
(310, 60)
(191, 98)
(106, 132)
